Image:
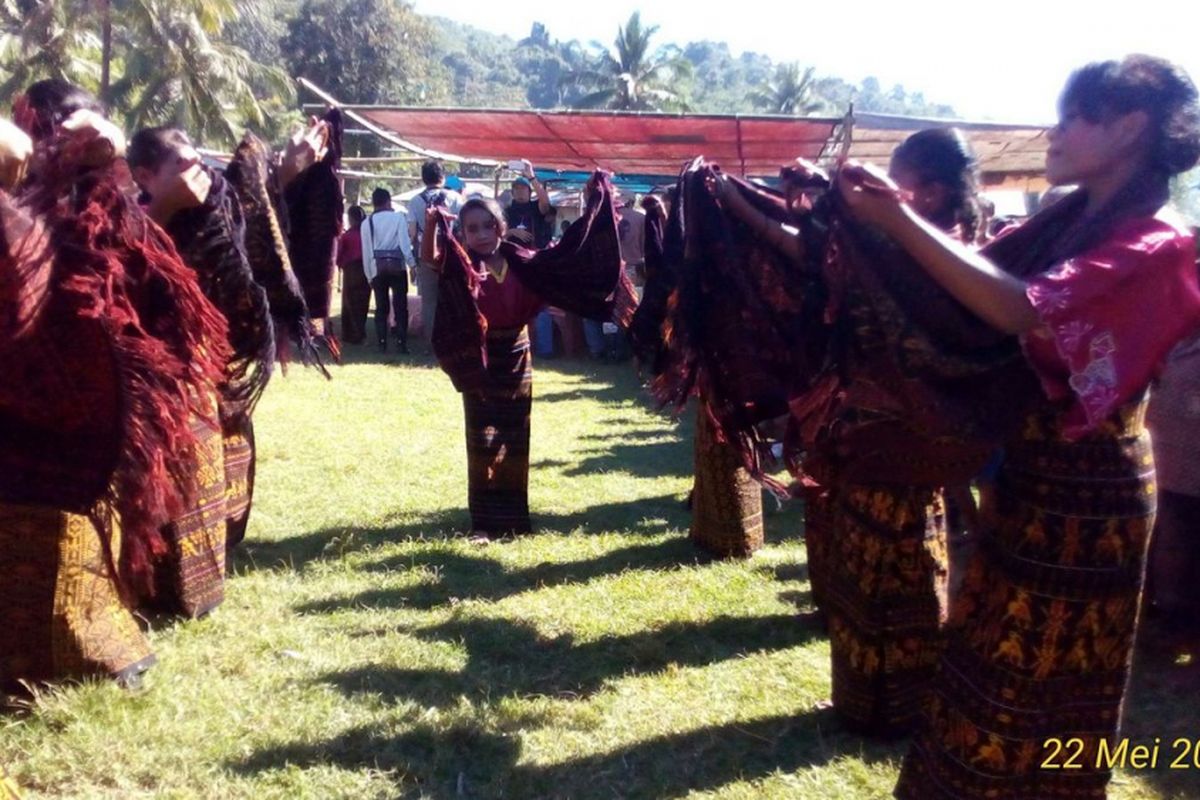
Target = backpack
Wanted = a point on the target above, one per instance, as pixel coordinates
(433, 198)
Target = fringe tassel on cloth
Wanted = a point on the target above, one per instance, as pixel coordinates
(167, 347)
(266, 248)
(211, 240)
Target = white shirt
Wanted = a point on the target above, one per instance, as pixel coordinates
(391, 233)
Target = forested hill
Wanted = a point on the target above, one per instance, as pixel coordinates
(487, 69)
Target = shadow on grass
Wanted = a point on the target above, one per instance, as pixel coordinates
(471, 577)
(649, 459)
(681, 431)
(333, 543)
(473, 762)
(512, 658)
(649, 516)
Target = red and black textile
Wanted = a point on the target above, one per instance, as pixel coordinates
(927, 389)
(249, 172)
(114, 360)
(26, 260)
(497, 425)
(883, 371)
(315, 206)
(581, 274)
(459, 336)
(241, 458)
(646, 328)
(744, 326)
(211, 240)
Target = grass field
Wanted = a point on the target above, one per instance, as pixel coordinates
(367, 649)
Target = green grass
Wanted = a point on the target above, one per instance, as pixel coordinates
(367, 649)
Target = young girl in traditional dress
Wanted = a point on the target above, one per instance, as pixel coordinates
(487, 296)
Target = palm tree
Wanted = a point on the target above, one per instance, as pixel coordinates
(46, 39)
(177, 72)
(630, 76)
(790, 92)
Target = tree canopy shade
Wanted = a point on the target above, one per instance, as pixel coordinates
(177, 72)
(368, 51)
(631, 76)
(791, 91)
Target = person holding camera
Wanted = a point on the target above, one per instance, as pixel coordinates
(531, 224)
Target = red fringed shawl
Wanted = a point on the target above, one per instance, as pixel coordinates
(645, 330)
(105, 365)
(744, 326)
(582, 274)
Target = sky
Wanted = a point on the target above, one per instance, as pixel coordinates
(1004, 60)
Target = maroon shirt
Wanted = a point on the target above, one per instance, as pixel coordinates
(507, 303)
(349, 247)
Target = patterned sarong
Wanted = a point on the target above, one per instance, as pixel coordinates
(497, 426)
(727, 514)
(883, 573)
(61, 617)
(1042, 638)
(816, 542)
(240, 459)
(190, 579)
(356, 300)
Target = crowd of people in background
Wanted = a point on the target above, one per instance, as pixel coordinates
(924, 376)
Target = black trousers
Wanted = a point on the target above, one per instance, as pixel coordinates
(395, 286)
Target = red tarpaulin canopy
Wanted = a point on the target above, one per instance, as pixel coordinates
(640, 144)
(659, 144)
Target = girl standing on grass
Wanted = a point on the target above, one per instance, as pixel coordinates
(488, 293)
